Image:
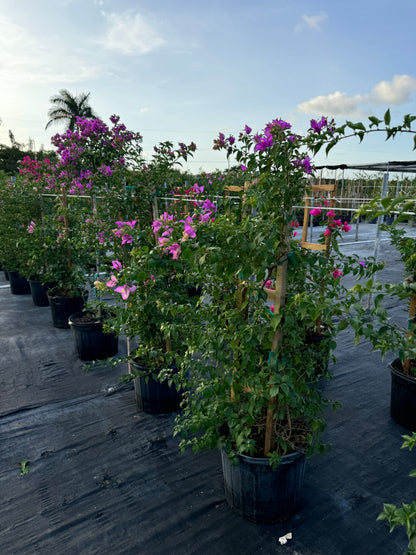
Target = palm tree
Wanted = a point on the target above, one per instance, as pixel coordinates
(66, 107)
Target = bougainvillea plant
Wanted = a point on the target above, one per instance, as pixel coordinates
(255, 374)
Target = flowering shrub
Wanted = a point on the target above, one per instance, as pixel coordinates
(392, 336)
(255, 373)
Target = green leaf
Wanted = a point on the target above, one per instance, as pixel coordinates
(342, 325)
(374, 121)
(24, 466)
(387, 117)
(331, 145)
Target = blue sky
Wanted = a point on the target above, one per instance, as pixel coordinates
(186, 70)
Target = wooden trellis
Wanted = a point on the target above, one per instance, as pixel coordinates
(329, 188)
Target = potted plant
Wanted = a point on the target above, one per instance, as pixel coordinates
(394, 336)
(144, 278)
(253, 388)
(20, 204)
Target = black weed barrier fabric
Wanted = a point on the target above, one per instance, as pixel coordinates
(103, 478)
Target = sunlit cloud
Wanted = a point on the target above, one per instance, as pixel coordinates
(130, 34)
(396, 91)
(314, 22)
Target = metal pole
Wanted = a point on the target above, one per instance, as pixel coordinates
(380, 220)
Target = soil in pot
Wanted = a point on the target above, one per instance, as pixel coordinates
(260, 494)
(403, 396)
(91, 343)
(18, 284)
(152, 396)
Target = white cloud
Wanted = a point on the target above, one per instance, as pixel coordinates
(314, 22)
(396, 91)
(130, 34)
(335, 104)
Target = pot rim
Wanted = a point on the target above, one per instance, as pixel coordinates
(286, 459)
(397, 372)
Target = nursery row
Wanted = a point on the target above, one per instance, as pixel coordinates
(225, 305)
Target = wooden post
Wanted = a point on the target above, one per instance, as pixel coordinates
(279, 301)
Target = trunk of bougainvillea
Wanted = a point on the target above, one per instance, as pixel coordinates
(412, 316)
(279, 301)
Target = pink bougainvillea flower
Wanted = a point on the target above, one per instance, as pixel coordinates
(132, 223)
(327, 232)
(326, 202)
(198, 190)
(243, 167)
(268, 284)
(208, 206)
(295, 233)
(168, 232)
(152, 277)
(116, 265)
(31, 227)
(156, 225)
(113, 282)
(330, 213)
(175, 250)
(363, 264)
(163, 241)
(166, 217)
(125, 290)
(337, 273)
(126, 239)
(263, 142)
(189, 231)
(315, 211)
(272, 308)
(247, 129)
(205, 217)
(346, 227)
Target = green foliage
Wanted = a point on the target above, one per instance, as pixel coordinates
(405, 515)
(24, 467)
(66, 107)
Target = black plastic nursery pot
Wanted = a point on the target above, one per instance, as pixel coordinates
(155, 397)
(39, 292)
(18, 284)
(403, 397)
(63, 307)
(91, 343)
(260, 494)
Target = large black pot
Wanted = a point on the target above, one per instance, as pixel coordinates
(152, 396)
(403, 397)
(260, 494)
(39, 292)
(91, 343)
(63, 307)
(18, 284)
